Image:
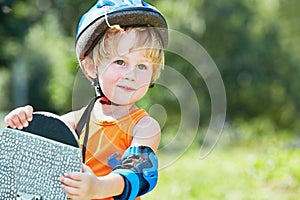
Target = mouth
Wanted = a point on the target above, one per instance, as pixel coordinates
(126, 88)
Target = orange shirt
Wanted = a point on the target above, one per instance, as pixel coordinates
(107, 138)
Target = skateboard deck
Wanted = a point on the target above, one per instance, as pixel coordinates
(33, 159)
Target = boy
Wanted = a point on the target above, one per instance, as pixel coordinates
(119, 45)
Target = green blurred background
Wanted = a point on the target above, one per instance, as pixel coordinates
(256, 47)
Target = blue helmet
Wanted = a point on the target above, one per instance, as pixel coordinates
(125, 13)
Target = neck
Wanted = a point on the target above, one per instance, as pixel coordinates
(111, 112)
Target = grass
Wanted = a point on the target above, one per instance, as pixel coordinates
(262, 169)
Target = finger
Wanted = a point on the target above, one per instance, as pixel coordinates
(29, 111)
(22, 118)
(9, 122)
(73, 197)
(70, 190)
(70, 182)
(72, 193)
(25, 115)
(77, 176)
(86, 169)
(15, 120)
(19, 117)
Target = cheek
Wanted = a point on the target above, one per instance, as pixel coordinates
(108, 74)
(143, 90)
(108, 79)
(143, 86)
(145, 77)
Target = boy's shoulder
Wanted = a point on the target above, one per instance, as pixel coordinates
(146, 125)
(147, 133)
(72, 118)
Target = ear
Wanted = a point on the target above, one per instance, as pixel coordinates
(88, 67)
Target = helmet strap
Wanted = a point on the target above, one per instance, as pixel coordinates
(105, 15)
(152, 85)
(84, 122)
(102, 98)
(85, 118)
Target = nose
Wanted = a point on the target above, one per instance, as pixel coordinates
(130, 74)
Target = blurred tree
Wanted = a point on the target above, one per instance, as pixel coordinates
(288, 20)
(39, 37)
(254, 44)
(259, 75)
(245, 40)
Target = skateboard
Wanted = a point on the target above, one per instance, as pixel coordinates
(33, 159)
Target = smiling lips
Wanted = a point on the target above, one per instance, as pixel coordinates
(126, 88)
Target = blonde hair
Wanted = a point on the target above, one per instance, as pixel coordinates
(147, 39)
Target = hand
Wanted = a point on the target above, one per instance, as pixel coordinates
(19, 117)
(80, 186)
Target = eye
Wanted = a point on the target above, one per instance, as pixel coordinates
(120, 62)
(142, 67)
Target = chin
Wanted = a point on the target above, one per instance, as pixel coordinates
(125, 103)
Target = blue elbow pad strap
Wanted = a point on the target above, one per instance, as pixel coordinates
(131, 188)
(139, 168)
(151, 174)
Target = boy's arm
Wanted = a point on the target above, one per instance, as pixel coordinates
(139, 165)
(146, 133)
(86, 185)
(126, 181)
(71, 118)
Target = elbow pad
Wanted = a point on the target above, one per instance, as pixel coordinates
(139, 168)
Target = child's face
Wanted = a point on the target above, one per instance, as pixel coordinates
(126, 78)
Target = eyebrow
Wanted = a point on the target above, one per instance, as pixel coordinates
(141, 58)
(145, 59)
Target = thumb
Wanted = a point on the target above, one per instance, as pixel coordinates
(86, 169)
